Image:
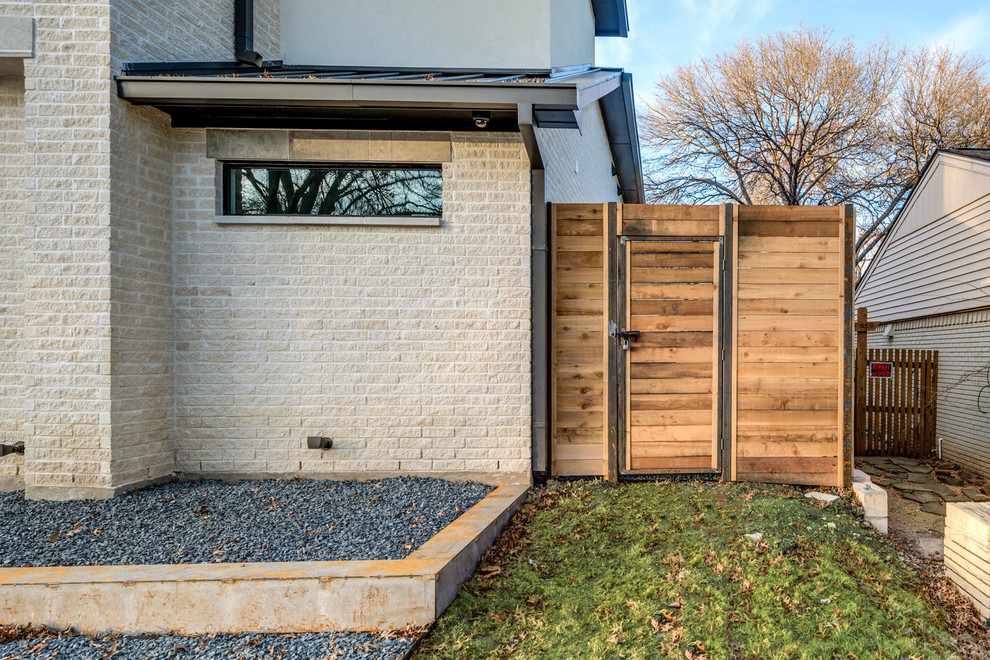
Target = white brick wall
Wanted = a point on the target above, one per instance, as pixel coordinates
(11, 258)
(409, 346)
(141, 279)
(153, 338)
(66, 252)
(963, 345)
(578, 163)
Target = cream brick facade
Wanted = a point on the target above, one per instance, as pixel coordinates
(963, 345)
(139, 337)
(12, 241)
(409, 346)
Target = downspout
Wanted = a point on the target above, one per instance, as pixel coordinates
(540, 298)
(244, 33)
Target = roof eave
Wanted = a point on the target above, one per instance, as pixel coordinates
(619, 114)
(611, 18)
(289, 92)
(198, 98)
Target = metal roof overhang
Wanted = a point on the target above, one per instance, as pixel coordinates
(611, 18)
(229, 100)
(323, 102)
(619, 115)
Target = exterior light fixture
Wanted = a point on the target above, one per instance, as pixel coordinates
(481, 119)
(319, 442)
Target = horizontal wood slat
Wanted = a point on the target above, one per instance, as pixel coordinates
(787, 341)
(578, 369)
(789, 352)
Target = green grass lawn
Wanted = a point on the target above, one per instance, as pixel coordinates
(664, 570)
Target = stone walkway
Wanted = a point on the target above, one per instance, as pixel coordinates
(917, 492)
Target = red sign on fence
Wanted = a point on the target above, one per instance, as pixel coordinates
(881, 369)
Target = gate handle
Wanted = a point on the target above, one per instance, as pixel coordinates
(628, 335)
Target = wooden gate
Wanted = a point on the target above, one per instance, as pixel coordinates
(669, 335)
(702, 339)
(896, 403)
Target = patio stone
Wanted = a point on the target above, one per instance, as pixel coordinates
(921, 478)
(920, 496)
(943, 491)
(972, 477)
(975, 495)
(918, 469)
(908, 486)
(954, 497)
(900, 460)
(951, 481)
(934, 507)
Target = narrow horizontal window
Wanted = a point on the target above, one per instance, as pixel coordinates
(282, 190)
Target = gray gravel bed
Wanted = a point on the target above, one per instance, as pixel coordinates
(339, 646)
(243, 521)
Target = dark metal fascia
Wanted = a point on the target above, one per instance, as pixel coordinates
(619, 114)
(295, 92)
(611, 18)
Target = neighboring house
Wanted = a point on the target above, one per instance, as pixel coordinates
(231, 225)
(929, 287)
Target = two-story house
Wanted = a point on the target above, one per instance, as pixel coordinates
(230, 226)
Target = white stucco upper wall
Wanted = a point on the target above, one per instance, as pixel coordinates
(451, 34)
(572, 33)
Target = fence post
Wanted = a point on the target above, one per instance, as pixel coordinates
(859, 414)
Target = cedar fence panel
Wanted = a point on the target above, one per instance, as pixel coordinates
(782, 377)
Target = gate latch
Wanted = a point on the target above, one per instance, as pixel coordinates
(626, 336)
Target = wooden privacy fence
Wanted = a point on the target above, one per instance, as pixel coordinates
(897, 403)
(702, 339)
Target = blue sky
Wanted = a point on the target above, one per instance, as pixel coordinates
(666, 33)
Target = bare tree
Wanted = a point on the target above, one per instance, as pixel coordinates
(943, 101)
(790, 119)
(797, 118)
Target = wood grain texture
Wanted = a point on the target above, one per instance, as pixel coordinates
(786, 368)
(578, 371)
(672, 291)
(789, 355)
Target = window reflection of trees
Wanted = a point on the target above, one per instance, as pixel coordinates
(358, 192)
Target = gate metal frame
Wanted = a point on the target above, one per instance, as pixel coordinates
(617, 396)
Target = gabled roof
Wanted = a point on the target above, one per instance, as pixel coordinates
(932, 260)
(228, 94)
(611, 18)
(980, 154)
(924, 175)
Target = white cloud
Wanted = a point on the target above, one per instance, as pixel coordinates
(967, 32)
(722, 19)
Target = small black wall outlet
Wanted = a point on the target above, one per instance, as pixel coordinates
(319, 442)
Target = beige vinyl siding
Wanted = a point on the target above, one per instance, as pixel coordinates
(935, 261)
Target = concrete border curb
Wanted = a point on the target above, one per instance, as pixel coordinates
(195, 599)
